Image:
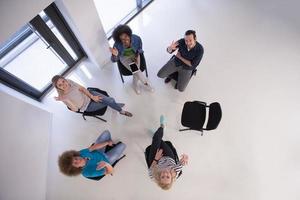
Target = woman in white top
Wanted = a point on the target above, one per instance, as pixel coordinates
(163, 168)
(78, 98)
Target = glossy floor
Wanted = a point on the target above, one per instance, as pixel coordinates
(251, 66)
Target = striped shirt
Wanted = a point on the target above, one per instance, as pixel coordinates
(167, 162)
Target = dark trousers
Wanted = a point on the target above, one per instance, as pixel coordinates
(158, 143)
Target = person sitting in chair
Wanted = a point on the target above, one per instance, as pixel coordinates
(163, 168)
(188, 56)
(78, 98)
(91, 162)
(127, 49)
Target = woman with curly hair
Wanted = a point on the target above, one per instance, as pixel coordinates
(78, 98)
(127, 50)
(163, 168)
(91, 162)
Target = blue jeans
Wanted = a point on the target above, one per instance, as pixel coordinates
(105, 101)
(113, 154)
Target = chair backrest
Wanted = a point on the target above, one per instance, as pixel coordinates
(108, 148)
(193, 115)
(214, 117)
(125, 72)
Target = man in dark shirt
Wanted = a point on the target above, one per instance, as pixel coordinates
(187, 58)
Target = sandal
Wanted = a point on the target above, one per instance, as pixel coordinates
(126, 113)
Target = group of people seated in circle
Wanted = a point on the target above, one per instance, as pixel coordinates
(163, 163)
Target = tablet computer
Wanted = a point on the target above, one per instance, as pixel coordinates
(134, 68)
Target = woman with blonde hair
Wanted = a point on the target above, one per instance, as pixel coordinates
(78, 98)
(164, 169)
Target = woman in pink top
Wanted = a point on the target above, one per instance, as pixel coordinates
(78, 98)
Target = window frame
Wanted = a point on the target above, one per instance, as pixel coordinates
(39, 24)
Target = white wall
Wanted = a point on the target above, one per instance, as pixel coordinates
(84, 21)
(24, 131)
(16, 13)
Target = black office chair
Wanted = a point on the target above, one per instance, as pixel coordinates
(97, 113)
(125, 72)
(147, 151)
(108, 148)
(174, 76)
(194, 115)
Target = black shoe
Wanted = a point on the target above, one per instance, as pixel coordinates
(176, 86)
(167, 80)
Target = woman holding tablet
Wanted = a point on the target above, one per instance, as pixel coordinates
(127, 50)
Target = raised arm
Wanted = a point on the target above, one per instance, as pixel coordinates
(184, 159)
(173, 47)
(108, 168)
(114, 54)
(89, 95)
(67, 102)
(158, 156)
(100, 145)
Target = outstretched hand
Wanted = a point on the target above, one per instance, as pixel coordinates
(96, 98)
(184, 159)
(159, 154)
(101, 165)
(114, 51)
(110, 143)
(173, 45)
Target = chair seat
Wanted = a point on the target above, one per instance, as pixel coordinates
(125, 72)
(193, 115)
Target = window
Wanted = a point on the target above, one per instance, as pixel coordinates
(115, 12)
(41, 49)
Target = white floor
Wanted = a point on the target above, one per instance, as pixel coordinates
(251, 66)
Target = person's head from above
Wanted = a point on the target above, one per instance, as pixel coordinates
(190, 38)
(60, 83)
(165, 178)
(70, 163)
(122, 34)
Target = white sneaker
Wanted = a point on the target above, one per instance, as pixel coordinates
(148, 86)
(137, 89)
